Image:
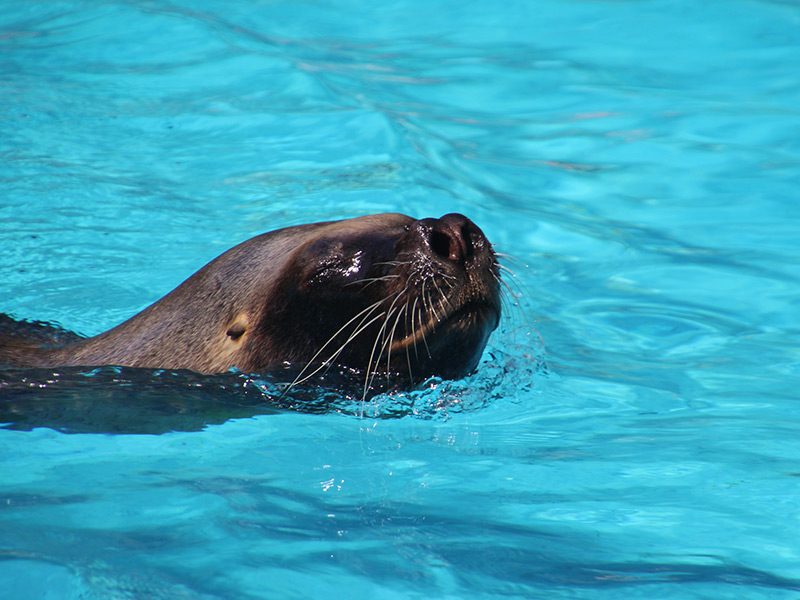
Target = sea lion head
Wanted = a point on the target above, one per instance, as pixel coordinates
(383, 295)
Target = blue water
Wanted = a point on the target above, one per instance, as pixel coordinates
(633, 430)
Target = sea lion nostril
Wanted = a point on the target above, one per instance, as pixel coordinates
(450, 243)
(463, 237)
(441, 244)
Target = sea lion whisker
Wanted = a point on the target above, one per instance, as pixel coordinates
(367, 310)
(504, 289)
(400, 313)
(413, 328)
(426, 300)
(393, 263)
(357, 331)
(370, 374)
(506, 294)
(390, 310)
(328, 363)
(422, 331)
(505, 302)
(441, 303)
(505, 269)
(507, 286)
(508, 256)
(385, 345)
(509, 299)
(443, 298)
(432, 309)
(370, 280)
(408, 355)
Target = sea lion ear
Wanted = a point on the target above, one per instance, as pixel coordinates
(238, 327)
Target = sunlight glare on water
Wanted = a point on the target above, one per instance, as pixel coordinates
(632, 430)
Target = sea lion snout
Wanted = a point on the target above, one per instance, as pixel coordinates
(458, 253)
(453, 241)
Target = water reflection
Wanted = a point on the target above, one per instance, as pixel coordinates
(125, 400)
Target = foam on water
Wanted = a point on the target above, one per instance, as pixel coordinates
(632, 429)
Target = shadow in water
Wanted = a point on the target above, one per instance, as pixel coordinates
(126, 400)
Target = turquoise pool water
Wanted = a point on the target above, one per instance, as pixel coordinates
(633, 431)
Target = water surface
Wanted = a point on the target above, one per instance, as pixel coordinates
(632, 430)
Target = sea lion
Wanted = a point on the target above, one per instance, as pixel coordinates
(380, 294)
